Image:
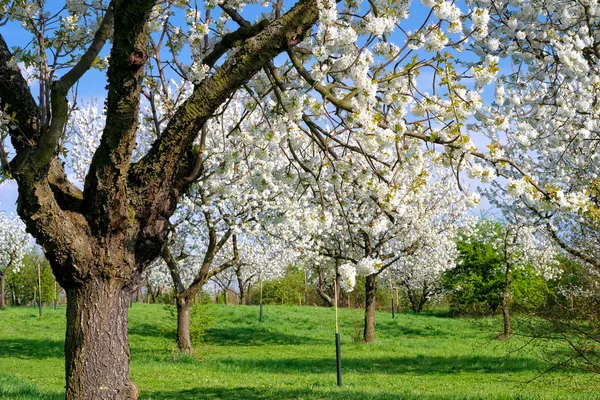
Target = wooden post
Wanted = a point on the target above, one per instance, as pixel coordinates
(305, 288)
(260, 317)
(39, 287)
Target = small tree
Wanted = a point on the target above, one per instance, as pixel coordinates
(475, 284)
(14, 242)
(27, 275)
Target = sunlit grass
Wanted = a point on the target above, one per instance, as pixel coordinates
(291, 355)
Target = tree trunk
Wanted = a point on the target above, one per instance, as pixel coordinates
(2, 290)
(411, 298)
(423, 299)
(184, 342)
(305, 287)
(13, 295)
(321, 290)
(242, 294)
(421, 304)
(506, 305)
(370, 292)
(39, 287)
(96, 346)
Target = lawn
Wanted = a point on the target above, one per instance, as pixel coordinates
(291, 355)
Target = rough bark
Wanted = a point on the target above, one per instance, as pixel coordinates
(322, 293)
(370, 293)
(96, 346)
(184, 341)
(421, 304)
(13, 297)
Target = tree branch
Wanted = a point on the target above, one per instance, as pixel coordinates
(155, 178)
(105, 197)
(48, 141)
(16, 97)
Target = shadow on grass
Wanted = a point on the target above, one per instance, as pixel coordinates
(152, 330)
(31, 348)
(16, 389)
(389, 365)
(334, 393)
(253, 336)
(403, 332)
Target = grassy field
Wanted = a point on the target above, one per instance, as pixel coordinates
(291, 355)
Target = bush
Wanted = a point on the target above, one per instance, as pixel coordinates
(475, 285)
(202, 317)
(288, 290)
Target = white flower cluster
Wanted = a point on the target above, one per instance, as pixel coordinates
(347, 272)
(14, 242)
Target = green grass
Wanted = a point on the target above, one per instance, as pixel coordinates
(291, 355)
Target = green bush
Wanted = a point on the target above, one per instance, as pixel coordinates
(288, 290)
(202, 317)
(477, 281)
(475, 285)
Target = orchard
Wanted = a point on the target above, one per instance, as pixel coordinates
(311, 153)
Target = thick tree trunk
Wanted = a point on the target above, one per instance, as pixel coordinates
(2, 290)
(184, 342)
(370, 292)
(96, 346)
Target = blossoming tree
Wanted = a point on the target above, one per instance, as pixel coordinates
(347, 80)
(14, 242)
(545, 117)
(419, 274)
(364, 220)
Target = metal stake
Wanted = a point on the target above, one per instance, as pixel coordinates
(338, 349)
